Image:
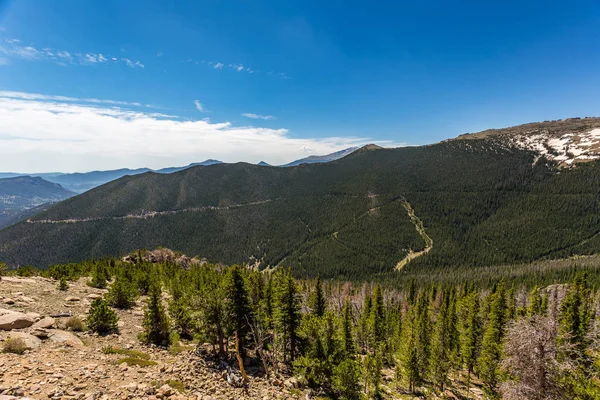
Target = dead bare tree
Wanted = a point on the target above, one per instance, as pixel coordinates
(530, 360)
(260, 339)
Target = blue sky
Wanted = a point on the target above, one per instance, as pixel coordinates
(323, 75)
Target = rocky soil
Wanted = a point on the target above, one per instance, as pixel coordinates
(61, 364)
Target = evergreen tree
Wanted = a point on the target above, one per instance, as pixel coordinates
(441, 345)
(122, 293)
(287, 315)
(423, 335)
(471, 333)
(535, 303)
(346, 380)
(155, 322)
(491, 346)
(267, 303)
(574, 320)
(376, 327)
(101, 319)
(99, 276)
(179, 311)
(211, 309)
(347, 338)
(408, 366)
(63, 285)
(237, 306)
(317, 302)
(372, 366)
(364, 322)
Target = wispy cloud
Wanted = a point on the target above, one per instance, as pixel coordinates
(235, 67)
(13, 49)
(42, 133)
(199, 106)
(132, 64)
(257, 116)
(45, 97)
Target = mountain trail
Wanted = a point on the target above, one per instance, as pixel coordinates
(421, 231)
(146, 214)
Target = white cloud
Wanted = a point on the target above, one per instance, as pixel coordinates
(132, 64)
(42, 133)
(257, 116)
(218, 66)
(4, 61)
(199, 106)
(45, 97)
(11, 48)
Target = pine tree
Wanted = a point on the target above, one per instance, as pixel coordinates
(179, 311)
(441, 345)
(471, 333)
(423, 338)
(347, 338)
(122, 293)
(372, 366)
(63, 285)
(155, 322)
(574, 319)
(317, 302)
(364, 322)
(287, 315)
(346, 380)
(99, 277)
(408, 366)
(237, 306)
(491, 346)
(535, 303)
(101, 319)
(376, 327)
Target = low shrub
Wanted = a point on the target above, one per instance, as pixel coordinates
(14, 345)
(75, 324)
(131, 361)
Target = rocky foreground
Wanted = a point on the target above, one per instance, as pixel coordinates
(62, 364)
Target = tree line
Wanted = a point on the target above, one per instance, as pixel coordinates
(355, 341)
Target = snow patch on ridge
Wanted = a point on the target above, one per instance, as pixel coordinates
(566, 149)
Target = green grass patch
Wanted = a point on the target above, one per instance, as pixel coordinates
(125, 352)
(131, 361)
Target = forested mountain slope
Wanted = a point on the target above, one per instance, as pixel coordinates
(482, 202)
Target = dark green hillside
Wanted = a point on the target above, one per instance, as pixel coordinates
(482, 204)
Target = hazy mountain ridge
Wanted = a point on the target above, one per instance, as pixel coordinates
(82, 181)
(22, 193)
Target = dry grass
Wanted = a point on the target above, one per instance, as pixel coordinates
(14, 345)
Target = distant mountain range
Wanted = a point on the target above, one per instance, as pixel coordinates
(25, 195)
(80, 182)
(322, 159)
(496, 198)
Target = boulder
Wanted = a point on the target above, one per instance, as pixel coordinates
(94, 296)
(15, 320)
(72, 299)
(30, 341)
(67, 338)
(34, 316)
(44, 323)
(40, 333)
